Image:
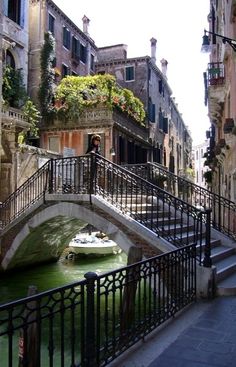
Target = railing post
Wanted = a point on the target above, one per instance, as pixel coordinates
(207, 262)
(50, 177)
(92, 175)
(90, 336)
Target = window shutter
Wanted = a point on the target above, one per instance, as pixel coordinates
(165, 125)
(153, 112)
(22, 13)
(160, 121)
(5, 7)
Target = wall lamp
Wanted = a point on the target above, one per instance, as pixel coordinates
(112, 152)
(206, 47)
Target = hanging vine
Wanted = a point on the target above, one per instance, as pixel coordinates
(47, 57)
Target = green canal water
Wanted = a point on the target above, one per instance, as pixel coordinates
(15, 285)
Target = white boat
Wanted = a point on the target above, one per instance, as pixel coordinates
(85, 244)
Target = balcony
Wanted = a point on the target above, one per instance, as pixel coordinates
(12, 118)
(228, 125)
(215, 73)
(215, 90)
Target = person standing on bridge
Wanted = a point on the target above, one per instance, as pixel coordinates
(94, 146)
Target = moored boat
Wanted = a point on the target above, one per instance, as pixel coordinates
(90, 244)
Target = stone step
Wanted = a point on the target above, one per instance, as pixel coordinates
(227, 286)
(219, 253)
(171, 228)
(225, 267)
(165, 220)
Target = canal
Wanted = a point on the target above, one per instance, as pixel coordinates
(15, 285)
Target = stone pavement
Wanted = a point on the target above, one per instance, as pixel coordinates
(203, 335)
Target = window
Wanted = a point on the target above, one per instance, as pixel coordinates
(10, 60)
(129, 73)
(51, 21)
(64, 71)
(196, 155)
(75, 49)
(201, 153)
(66, 38)
(83, 53)
(92, 62)
(151, 111)
(165, 125)
(160, 120)
(53, 144)
(12, 10)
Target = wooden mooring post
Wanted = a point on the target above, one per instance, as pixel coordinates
(29, 348)
(128, 306)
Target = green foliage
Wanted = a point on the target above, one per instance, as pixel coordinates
(32, 115)
(47, 74)
(75, 93)
(13, 89)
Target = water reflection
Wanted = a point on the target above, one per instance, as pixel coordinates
(44, 277)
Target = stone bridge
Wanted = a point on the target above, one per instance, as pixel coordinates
(43, 232)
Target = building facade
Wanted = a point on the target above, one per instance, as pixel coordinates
(199, 157)
(165, 138)
(220, 87)
(170, 139)
(14, 53)
(75, 51)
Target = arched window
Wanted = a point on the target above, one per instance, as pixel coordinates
(10, 60)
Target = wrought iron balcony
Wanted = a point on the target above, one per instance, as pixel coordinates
(215, 73)
(216, 90)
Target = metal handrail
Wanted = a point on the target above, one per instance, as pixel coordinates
(29, 193)
(223, 217)
(166, 215)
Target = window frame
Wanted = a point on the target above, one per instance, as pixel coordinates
(130, 67)
(51, 16)
(66, 38)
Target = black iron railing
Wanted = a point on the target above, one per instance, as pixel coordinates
(65, 175)
(167, 216)
(93, 321)
(223, 216)
(24, 197)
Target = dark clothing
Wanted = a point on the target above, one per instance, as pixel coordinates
(93, 148)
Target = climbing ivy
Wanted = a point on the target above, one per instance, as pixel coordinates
(13, 89)
(47, 57)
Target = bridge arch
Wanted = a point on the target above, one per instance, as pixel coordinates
(47, 233)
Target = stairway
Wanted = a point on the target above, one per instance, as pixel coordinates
(223, 254)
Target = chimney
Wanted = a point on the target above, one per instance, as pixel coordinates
(86, 21)
(153, 49)
(164, 64)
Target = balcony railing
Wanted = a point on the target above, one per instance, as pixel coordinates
(12, 117)
(215, 73)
